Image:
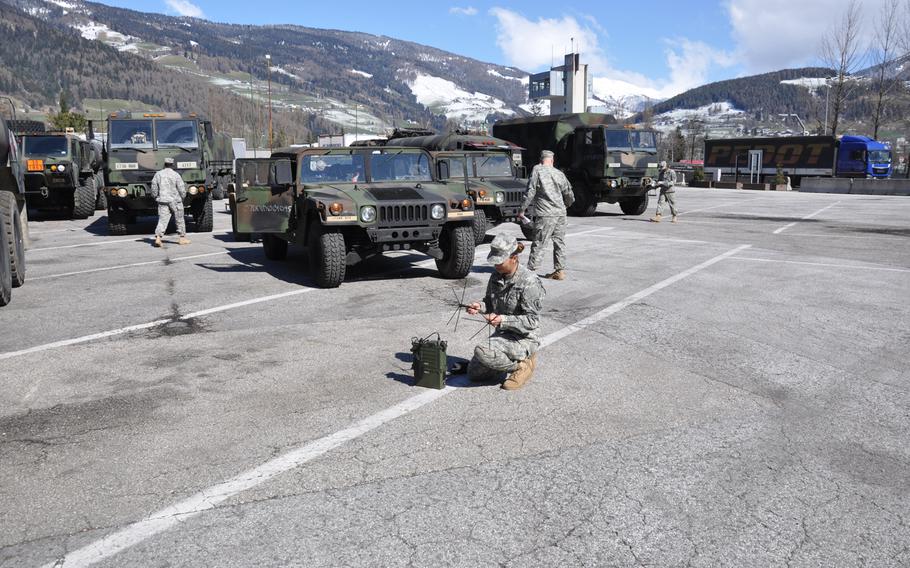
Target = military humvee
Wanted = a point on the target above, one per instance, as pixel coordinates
(13, 214)
(136, 147)
(61, 172)
(604, 161)
(347, 204)
(489, 167)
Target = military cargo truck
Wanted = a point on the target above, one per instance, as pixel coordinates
(61, 172)
(604, 161)
(13, 214)
(347, 204)
(221, 164)
(136, 147)
(490, 167)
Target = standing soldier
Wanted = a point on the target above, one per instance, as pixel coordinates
(169, 190)
(550, 192)
(666, 179)
(512, 305)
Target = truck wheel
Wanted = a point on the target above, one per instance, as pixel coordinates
(327, 254)
(275, 248)
(84, 201)
(116, 223)
(480, 226)
(585, 205)
(6, 275)
(634, 205)
(457, 243)
(13, 238)
(203, 214)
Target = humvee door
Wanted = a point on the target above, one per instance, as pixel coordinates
(264, 195)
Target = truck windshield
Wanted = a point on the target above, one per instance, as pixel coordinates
(45, 146)
(643, 140)
(618, 140)
(879, 156)
(390, 166)
(130, 134)
(176, 133)
(493, 166)
(344, 168)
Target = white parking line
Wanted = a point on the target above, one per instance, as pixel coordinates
(87, 245)
(135, 264)
(826, 264)
(211, 497)
(809, 216)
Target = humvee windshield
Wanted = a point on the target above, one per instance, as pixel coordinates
(493, 166)
(44, 146)
(332, 167)
(400, 167)
(131, 133)
(176, 133)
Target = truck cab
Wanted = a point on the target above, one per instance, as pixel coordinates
(863, 157)
(59, 173)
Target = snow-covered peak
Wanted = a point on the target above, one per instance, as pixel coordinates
(445, 97)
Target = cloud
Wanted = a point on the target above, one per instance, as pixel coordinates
(185, 8)
(531, 45)
(466, 11)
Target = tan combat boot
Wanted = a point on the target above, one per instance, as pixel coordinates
(556, 275)
(521, 375)
(656, 218)
(183, 241)
(673, 220)
(157, 242)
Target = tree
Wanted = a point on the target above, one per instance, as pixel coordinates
(65, 118)
(882, 54)
(536, 107)
(677, 145)
(839, 50)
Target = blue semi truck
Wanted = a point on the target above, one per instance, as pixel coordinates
(757, 159)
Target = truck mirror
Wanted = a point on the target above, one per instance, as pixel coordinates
(280, 173)
(443, 170)
(209, 132)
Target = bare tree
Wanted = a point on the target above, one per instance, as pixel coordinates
(882, 55)
(839, 50)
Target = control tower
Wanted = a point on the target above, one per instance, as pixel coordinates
(567, 86)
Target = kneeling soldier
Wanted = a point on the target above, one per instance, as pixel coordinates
(512, 305)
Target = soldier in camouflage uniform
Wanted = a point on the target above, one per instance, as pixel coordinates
(549, 192)
(512, 305)
(666, 179)
(169, 190)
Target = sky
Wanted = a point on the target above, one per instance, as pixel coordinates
(657, 48)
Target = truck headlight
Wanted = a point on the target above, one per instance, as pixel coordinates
(500, 197)
(437, 211)
(192, 190)
(613, 183)
(121, 192)
(61, 168)
(367, 213)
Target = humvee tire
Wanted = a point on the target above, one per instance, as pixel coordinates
(327, 256)
(84, 201)
(204, 214)
(457, 244)
(585, 205)
(6, 276)
(634, 205)
(275, 248)
(116, 223)
(13, 238)
(480, 226)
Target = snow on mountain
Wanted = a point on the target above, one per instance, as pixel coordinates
(812, 83)
(277, 69)
(716, 114)
(96, 31)
(495, 73)
(362, 73)
(443, 96)
(62, 4)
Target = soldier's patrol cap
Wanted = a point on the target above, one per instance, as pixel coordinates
(663, 164)
(501, 248)
(546, 154)
(169, 161)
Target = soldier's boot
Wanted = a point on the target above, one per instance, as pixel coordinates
(656, 218)
(556, 275)
(183, 241)
(521, 375)
(158, 242)
(673, 220)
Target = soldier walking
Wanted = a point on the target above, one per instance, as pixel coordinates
(512, 305)
(169, 190)
(549, 192)
(666, 179)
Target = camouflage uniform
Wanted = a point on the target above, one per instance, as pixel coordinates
(548, 190)
(518, 299)
(666, 179)
(168, 189)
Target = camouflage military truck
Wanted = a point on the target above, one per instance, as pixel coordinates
(136, 147)
(490, 167)
(604, 161)
(61, 170)
(13, 214)
(347, 204)
(221, 164)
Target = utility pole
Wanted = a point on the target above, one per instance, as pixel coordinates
(268, 61)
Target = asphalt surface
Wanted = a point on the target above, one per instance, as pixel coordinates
(731, 390)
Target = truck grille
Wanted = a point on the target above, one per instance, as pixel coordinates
(514, 197)
(403, 215)
(879, 170)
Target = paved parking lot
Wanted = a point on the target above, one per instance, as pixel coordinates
(731, 390)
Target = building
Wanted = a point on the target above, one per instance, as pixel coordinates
(566, 87)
